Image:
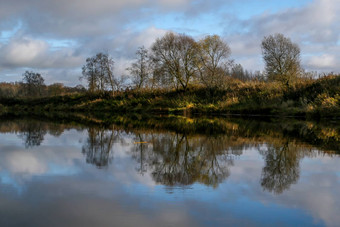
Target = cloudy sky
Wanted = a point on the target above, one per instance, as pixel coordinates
(54, 37)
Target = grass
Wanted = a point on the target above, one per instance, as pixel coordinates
(307, 98)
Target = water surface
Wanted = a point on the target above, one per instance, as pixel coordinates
(173, 172)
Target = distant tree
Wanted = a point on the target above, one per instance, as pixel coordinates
(55, 89)
(258, 76)
(98, 71)
(239, 73)
(33, 83)
(282, 59)
(79, 88)
(214, 61)
(140, 69)
(174, 57)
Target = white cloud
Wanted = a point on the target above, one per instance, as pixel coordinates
(26, 52)
(323, 61)
(23, 51)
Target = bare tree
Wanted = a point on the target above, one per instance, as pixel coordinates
(282, 58)
(239, 73)
(174, 56)
(108, 64)
(33, 83)
(214, 61)
(140, 69)
(55, 89)
(98, 71)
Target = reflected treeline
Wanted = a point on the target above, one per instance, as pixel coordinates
(32, 131)
(325, 136)
(177, 151)
(182, 151)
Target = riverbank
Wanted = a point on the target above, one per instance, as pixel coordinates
(309, 98)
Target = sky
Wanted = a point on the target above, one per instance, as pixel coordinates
(54, 37)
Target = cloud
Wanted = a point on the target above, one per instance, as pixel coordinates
(325, 61)
(24, 52)
(30, 29)
(315, 27)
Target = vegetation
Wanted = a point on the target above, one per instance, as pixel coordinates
(183, 76)
(98, 71)
(282, 59)
(33, 83)
(307, 98)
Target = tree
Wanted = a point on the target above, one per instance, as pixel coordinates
(140, 69)
(174, 56)
(98, 71)
(55, 89)
(282, 58)
(33, 83)
(239, 73)
(214, 61)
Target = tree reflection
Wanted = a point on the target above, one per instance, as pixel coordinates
(32, 133)
(281, 168)
(98, 146)
(179, 159)
(191, 151)
(141, 152)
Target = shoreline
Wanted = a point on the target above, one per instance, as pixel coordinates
(309, 99)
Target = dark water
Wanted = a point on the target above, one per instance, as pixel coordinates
(171, 172)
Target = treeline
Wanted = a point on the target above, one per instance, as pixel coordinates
(177, 61)
(33, 86)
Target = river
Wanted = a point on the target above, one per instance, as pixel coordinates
(172, 172)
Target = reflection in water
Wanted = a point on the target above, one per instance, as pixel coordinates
(281, 167)
(184, 158)
(178, 159)
(33, 133)
(97, 147)
(246, 164)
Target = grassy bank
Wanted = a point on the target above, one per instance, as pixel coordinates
(308, 98)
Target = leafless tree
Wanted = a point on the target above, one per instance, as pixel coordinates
(282, 58)
(140, 69)
(98, 71)
(214, 61)
(174, 56)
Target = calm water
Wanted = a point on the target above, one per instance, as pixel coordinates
(183, 173)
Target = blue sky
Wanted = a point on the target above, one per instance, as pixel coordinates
(55, 37)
